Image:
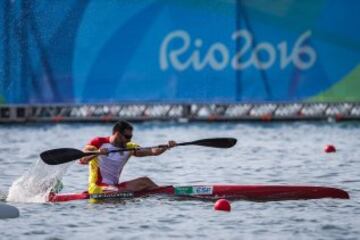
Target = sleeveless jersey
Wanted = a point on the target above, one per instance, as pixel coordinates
(106, 170)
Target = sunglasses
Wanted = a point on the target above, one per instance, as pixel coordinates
(127, 136)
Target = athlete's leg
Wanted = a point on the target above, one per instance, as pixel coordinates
(138, 184)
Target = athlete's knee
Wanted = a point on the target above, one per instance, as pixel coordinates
(146, 182)
(144, 179)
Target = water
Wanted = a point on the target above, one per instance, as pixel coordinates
(270, 153)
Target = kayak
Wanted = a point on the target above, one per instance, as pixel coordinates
(214, 192)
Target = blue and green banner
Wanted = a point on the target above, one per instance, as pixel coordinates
(179, 51)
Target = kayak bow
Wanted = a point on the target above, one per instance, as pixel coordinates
(213, 192)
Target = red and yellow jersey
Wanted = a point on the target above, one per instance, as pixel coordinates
(106, 170)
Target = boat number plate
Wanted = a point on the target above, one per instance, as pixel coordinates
(193, 190)
(112, 195)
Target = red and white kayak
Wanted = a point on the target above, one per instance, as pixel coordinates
(231, 192)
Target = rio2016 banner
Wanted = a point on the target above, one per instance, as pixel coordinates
(179, 51)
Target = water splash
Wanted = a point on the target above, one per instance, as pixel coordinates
(36, 184)
(3, 195)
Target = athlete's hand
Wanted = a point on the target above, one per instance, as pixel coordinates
(162, 148)
(103, 151)
(171, 144)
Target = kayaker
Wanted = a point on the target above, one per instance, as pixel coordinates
(105, 169)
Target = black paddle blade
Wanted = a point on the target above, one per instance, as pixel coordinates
(213, 142)
(61, 155)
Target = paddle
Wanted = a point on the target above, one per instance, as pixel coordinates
(64, 155)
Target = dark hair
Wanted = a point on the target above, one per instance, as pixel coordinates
(121, 125)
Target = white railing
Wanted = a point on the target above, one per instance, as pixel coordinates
(181, 112)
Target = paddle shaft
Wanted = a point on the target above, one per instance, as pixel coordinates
(137, 149)
(63, 155)
(123, 150)
(204, 142)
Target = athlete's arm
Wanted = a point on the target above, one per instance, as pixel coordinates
(154, 151)
(93, 146)
(149, 152)
(87, 159)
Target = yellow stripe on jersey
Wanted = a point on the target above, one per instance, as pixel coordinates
(94, 172)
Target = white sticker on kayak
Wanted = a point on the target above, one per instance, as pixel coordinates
(194, 190)
(203, 190)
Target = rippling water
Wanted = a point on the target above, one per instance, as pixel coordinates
(270, 153)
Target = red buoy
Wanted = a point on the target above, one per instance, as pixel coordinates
(222, 205)
(329, 148)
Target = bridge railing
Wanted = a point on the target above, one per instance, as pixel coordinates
(180, 112)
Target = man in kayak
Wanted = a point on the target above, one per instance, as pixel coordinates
(105, 169)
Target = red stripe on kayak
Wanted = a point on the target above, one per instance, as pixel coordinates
(276, 192)
(236, 192)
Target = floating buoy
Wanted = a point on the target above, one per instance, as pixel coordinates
(8, 211)
(329, 148)
(222, 205)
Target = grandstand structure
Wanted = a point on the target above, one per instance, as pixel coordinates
(266, 112)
